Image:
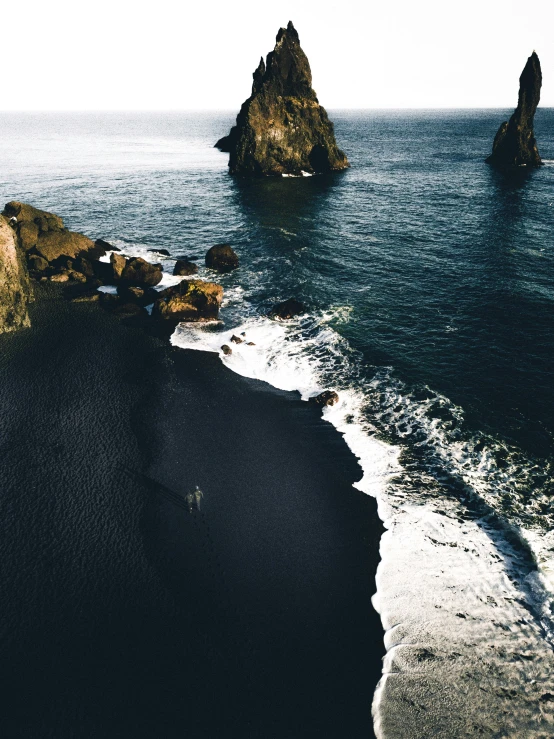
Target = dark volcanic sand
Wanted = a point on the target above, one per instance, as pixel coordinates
(123, 614)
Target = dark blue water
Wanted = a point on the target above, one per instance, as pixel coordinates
(430, 282)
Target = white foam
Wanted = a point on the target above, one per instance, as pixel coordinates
(465, 612)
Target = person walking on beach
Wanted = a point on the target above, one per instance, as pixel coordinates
(194, 498)
(198, 495)
(190, 501)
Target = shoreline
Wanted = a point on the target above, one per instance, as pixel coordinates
(258, 605)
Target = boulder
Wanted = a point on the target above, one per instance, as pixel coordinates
(192, 300)
(139, 295)
(328, 397)
(56, 244)
(287, 309)
(15, 286)
(184, 268)
(118, 263)
(282, 128)
(45, 233)
(141, 273)
(222, 258)
(84, 266)
(226, 349)
(236, 339)
(163, 252)
(514, 144)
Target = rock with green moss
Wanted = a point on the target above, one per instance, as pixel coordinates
(282, 129)
(191, 300)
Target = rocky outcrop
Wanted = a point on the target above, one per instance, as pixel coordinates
(15, 288)
(44, 234)
(514, 144)
(222, 258)
(287, 309)
(190, 300)
(282, 128)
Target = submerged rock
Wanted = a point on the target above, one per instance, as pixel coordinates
(45, 234)
(282, 128)
(327, 397)
(514, 144)
(287, 309)
(15, 287)
(191, 300)
(222, 258)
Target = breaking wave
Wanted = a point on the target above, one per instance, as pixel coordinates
(464, 588)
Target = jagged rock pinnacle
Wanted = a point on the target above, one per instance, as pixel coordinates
(282, 128)
(514, 144)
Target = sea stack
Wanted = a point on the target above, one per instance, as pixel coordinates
(282, 129)
(514, 144)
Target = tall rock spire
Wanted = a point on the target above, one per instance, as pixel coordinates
(514, 144)
(282, 128)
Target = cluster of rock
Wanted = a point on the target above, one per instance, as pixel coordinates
(36, 243)
(514, 144)
(282, 128)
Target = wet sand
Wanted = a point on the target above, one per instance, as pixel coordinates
(123, 613)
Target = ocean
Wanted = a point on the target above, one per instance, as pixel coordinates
(429, 279)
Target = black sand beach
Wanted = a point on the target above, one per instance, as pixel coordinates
(125, 615)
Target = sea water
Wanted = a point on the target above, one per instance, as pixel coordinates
(429, 280)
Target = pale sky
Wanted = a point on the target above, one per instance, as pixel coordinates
(167, 55)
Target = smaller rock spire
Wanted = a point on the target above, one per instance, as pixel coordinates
(514, 144)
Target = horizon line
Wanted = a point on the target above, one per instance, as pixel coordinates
(233, 110)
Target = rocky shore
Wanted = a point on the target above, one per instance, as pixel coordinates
(124, 612)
